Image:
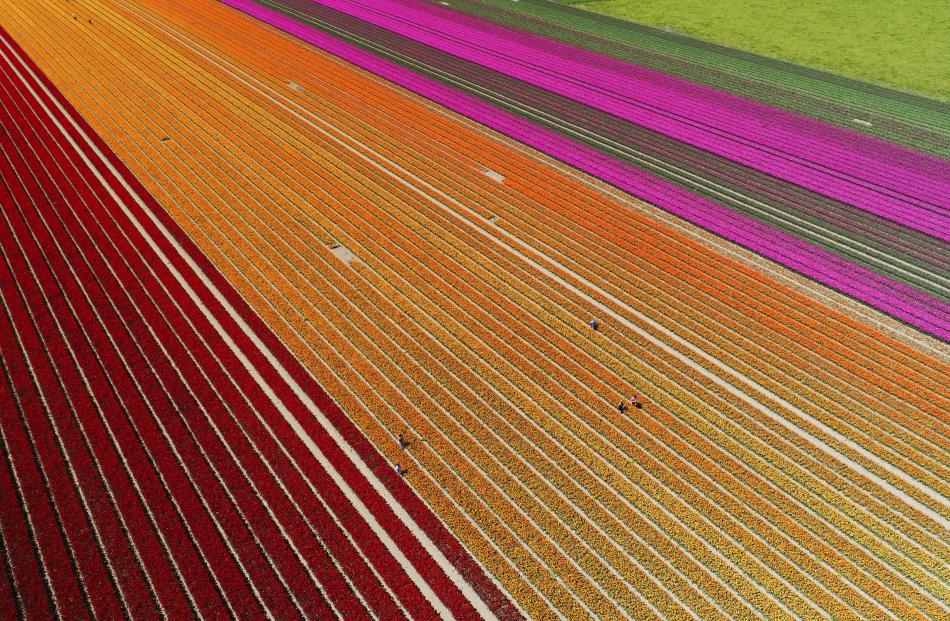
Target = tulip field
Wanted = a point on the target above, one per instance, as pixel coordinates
(248, 244)
(157, 475)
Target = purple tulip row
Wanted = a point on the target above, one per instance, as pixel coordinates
(893, 182)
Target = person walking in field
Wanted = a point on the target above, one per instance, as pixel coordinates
(399, 470)
(402, 441)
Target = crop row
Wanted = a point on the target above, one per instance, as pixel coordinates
(851, 314)
(76, 392)
(618, 242)
(449, 146)
(552, 110)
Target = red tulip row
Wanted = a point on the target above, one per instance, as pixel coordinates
(85, 321)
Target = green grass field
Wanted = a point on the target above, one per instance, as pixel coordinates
(899, 43)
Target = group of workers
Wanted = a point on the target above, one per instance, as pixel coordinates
(622, 406)
(403, 444)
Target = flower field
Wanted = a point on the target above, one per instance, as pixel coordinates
(146, 471)
(202, 399)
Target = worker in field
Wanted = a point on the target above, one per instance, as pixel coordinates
(594, 325)
(622, 406)
(399, 470)
(402, 441)
(635, 401)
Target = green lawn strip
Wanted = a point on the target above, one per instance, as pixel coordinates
(900, 43)
(900, 117)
